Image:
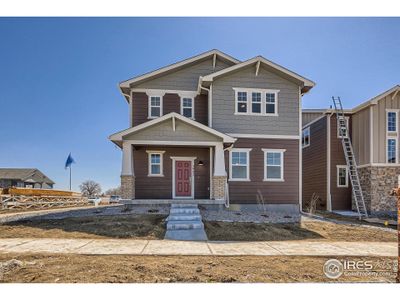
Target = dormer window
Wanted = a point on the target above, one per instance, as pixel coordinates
(262, 102)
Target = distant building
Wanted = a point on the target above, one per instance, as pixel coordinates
(31, 178)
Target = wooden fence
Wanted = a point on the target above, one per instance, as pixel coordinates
(15, 202)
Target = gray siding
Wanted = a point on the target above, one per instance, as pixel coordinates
(185, 79)
(307, 117)
(379, 126)
(223, 104)
(164, 132)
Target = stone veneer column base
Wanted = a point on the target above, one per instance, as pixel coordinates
(218, 183)
(377, 183)
(127, 187)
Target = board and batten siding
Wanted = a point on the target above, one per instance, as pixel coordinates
(315, 165)
(287, 192)
(360, 137)
(171, 103)
(379, 126)
(186, 78)
(223, 104)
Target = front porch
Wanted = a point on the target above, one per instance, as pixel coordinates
(173, 160)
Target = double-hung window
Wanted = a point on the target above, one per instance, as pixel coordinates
(239, 162)
(241, 105)
(187, 107)
(391, 150)
(392, 136)
(256, 103)
(155, 163)
(392, 121)
(270, 103)
(342, 126)
(263, 102)
(305, 137)
(342, 174)
(273, 164)
(155, 107)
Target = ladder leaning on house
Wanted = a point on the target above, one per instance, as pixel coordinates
(350, 158)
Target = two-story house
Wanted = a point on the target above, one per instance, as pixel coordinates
(210, 126)
(374, 132)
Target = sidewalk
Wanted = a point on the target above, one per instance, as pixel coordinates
(168, 247)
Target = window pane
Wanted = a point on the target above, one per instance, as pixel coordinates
(155, 101)
(274, 158)
(239, 172)
(273, 172)
(256, 108)
(270, 108)
(187, 102)
(242, 107)
(187, 112)
(256, 97)
(155, 158)
(155, 111)
(239, 158)
(270, 98)
(242, 96)
(392, 121)
(155, 169)
(391, 150)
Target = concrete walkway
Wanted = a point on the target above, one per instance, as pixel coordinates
(168, 247)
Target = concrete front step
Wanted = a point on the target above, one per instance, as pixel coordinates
(186, 235)
(182, 211)
(184, 217)
(183, 205)
(184, 225)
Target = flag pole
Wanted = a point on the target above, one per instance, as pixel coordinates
(70, 167)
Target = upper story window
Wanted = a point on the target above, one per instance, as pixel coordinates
(341, 130)
(305, 137)
(155, 107)
(187, 107)
(256, 102)
(391, 119)
(273, 164)
(239, 162)
(155, 163)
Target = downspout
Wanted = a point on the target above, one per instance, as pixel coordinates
(328, 163)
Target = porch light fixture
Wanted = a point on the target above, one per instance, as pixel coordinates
(200, 163)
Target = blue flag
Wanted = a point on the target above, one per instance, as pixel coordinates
(69, 161)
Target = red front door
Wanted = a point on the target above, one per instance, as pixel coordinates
(183, 175)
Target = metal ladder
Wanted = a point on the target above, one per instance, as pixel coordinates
(350, 158)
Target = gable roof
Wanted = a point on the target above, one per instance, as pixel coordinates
(24, 175)
(307, 84)
(126, 84)
(117, 137)
(377, 98)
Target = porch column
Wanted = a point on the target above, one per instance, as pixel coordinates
(219, 176)
(127, 173)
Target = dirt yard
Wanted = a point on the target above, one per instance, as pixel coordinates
(93, 269)
(152, 226)
(122, 226)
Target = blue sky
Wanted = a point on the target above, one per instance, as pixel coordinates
(59, 76)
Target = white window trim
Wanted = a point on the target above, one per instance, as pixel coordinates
(303, 139)
(281, 151)
(396, 111)
(347, 125)
(397, 149)
(149, 116)
(149, 153)
(247, 151)
(249, 92)
(338, 167)
(188, 97)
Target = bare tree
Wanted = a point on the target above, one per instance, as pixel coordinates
(114, 191)
(90, 188)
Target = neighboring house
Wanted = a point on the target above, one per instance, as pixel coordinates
(212, 122)
(374, 132)
(32, 178)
